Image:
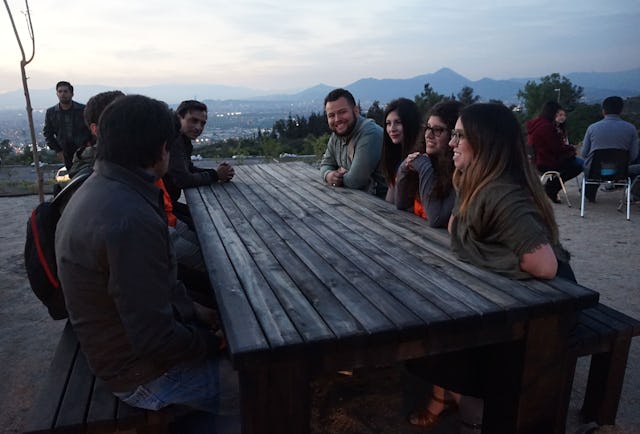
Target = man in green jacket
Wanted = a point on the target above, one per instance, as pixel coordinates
(353, 152)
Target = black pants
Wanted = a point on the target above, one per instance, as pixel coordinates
(569, 169)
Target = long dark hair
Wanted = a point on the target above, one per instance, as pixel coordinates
(448, 112)
(392, 155)
(495, 136)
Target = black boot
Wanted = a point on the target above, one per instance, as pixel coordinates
(552, 191)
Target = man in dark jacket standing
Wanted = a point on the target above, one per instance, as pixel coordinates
(64, 127)
(140, 331)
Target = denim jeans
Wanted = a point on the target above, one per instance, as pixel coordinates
(210, 386)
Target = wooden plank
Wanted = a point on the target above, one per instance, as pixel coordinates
(303, 295)
(241, 327)
(342, 289)
(556, 292)
(75, 403)
(398, 259)
(273, 319)
(102, 408)
(43, 413)
(331, 251)
(620, 317)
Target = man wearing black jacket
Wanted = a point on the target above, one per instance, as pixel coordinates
(142, 334)
(192, 116)
(64, 127)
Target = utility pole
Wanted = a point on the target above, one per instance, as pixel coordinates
(558, 91)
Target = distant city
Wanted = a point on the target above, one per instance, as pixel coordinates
(248, 113)
(226, 120)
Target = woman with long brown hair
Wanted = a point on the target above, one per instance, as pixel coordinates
(423, 182)
(502, 221)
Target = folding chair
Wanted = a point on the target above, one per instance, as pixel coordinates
(550, 174)
(608, 166)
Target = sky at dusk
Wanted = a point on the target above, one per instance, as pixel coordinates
(282, 45)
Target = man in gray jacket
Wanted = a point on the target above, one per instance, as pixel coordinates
(140, 331)
(352, 158)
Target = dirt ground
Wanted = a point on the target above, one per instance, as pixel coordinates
(603, 244)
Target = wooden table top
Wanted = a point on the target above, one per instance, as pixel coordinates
(296, 264)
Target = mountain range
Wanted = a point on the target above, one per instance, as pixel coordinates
(597, 85)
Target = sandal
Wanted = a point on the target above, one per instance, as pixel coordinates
(426, 419)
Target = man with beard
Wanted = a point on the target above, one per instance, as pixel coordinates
(64, 127)
(353, 152)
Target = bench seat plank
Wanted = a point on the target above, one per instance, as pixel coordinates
(43, 413)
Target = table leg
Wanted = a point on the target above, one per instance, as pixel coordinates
(529, 382)
(275, 399)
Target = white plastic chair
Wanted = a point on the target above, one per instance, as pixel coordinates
(550, 175)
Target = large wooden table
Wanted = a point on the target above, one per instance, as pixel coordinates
(310, 279)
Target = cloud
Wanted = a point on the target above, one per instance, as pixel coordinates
(292, 44)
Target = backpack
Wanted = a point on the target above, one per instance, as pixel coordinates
(40, 252)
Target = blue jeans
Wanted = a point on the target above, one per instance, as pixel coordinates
(210, 386)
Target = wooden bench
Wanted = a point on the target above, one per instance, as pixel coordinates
(605, 334)
(73, 400)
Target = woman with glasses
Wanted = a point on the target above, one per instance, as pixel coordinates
(401, 132)
(503, 222)
(424, 179)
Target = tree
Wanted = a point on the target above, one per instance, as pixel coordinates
(428, 98)
(316, 145)
(579, 119)
(23, 65)
(271, 147)
(551, 87)
(376, 113)
(466, 96)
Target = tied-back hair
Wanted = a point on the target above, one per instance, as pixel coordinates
(495, 136)
(448, 111)
(392, 154)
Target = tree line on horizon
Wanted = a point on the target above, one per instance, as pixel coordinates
(302, 135)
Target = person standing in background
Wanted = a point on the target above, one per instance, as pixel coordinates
(64, 128)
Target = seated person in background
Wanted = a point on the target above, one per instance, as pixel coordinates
(612, 132)
(184, 239)
(551, 151)
(140, 331)
(352, 158)
(402, 121)
(502, 222)
(432, 197)
(85, 156)
(192, 117)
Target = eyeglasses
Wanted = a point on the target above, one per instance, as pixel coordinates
(437, 131)
(457, 135)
